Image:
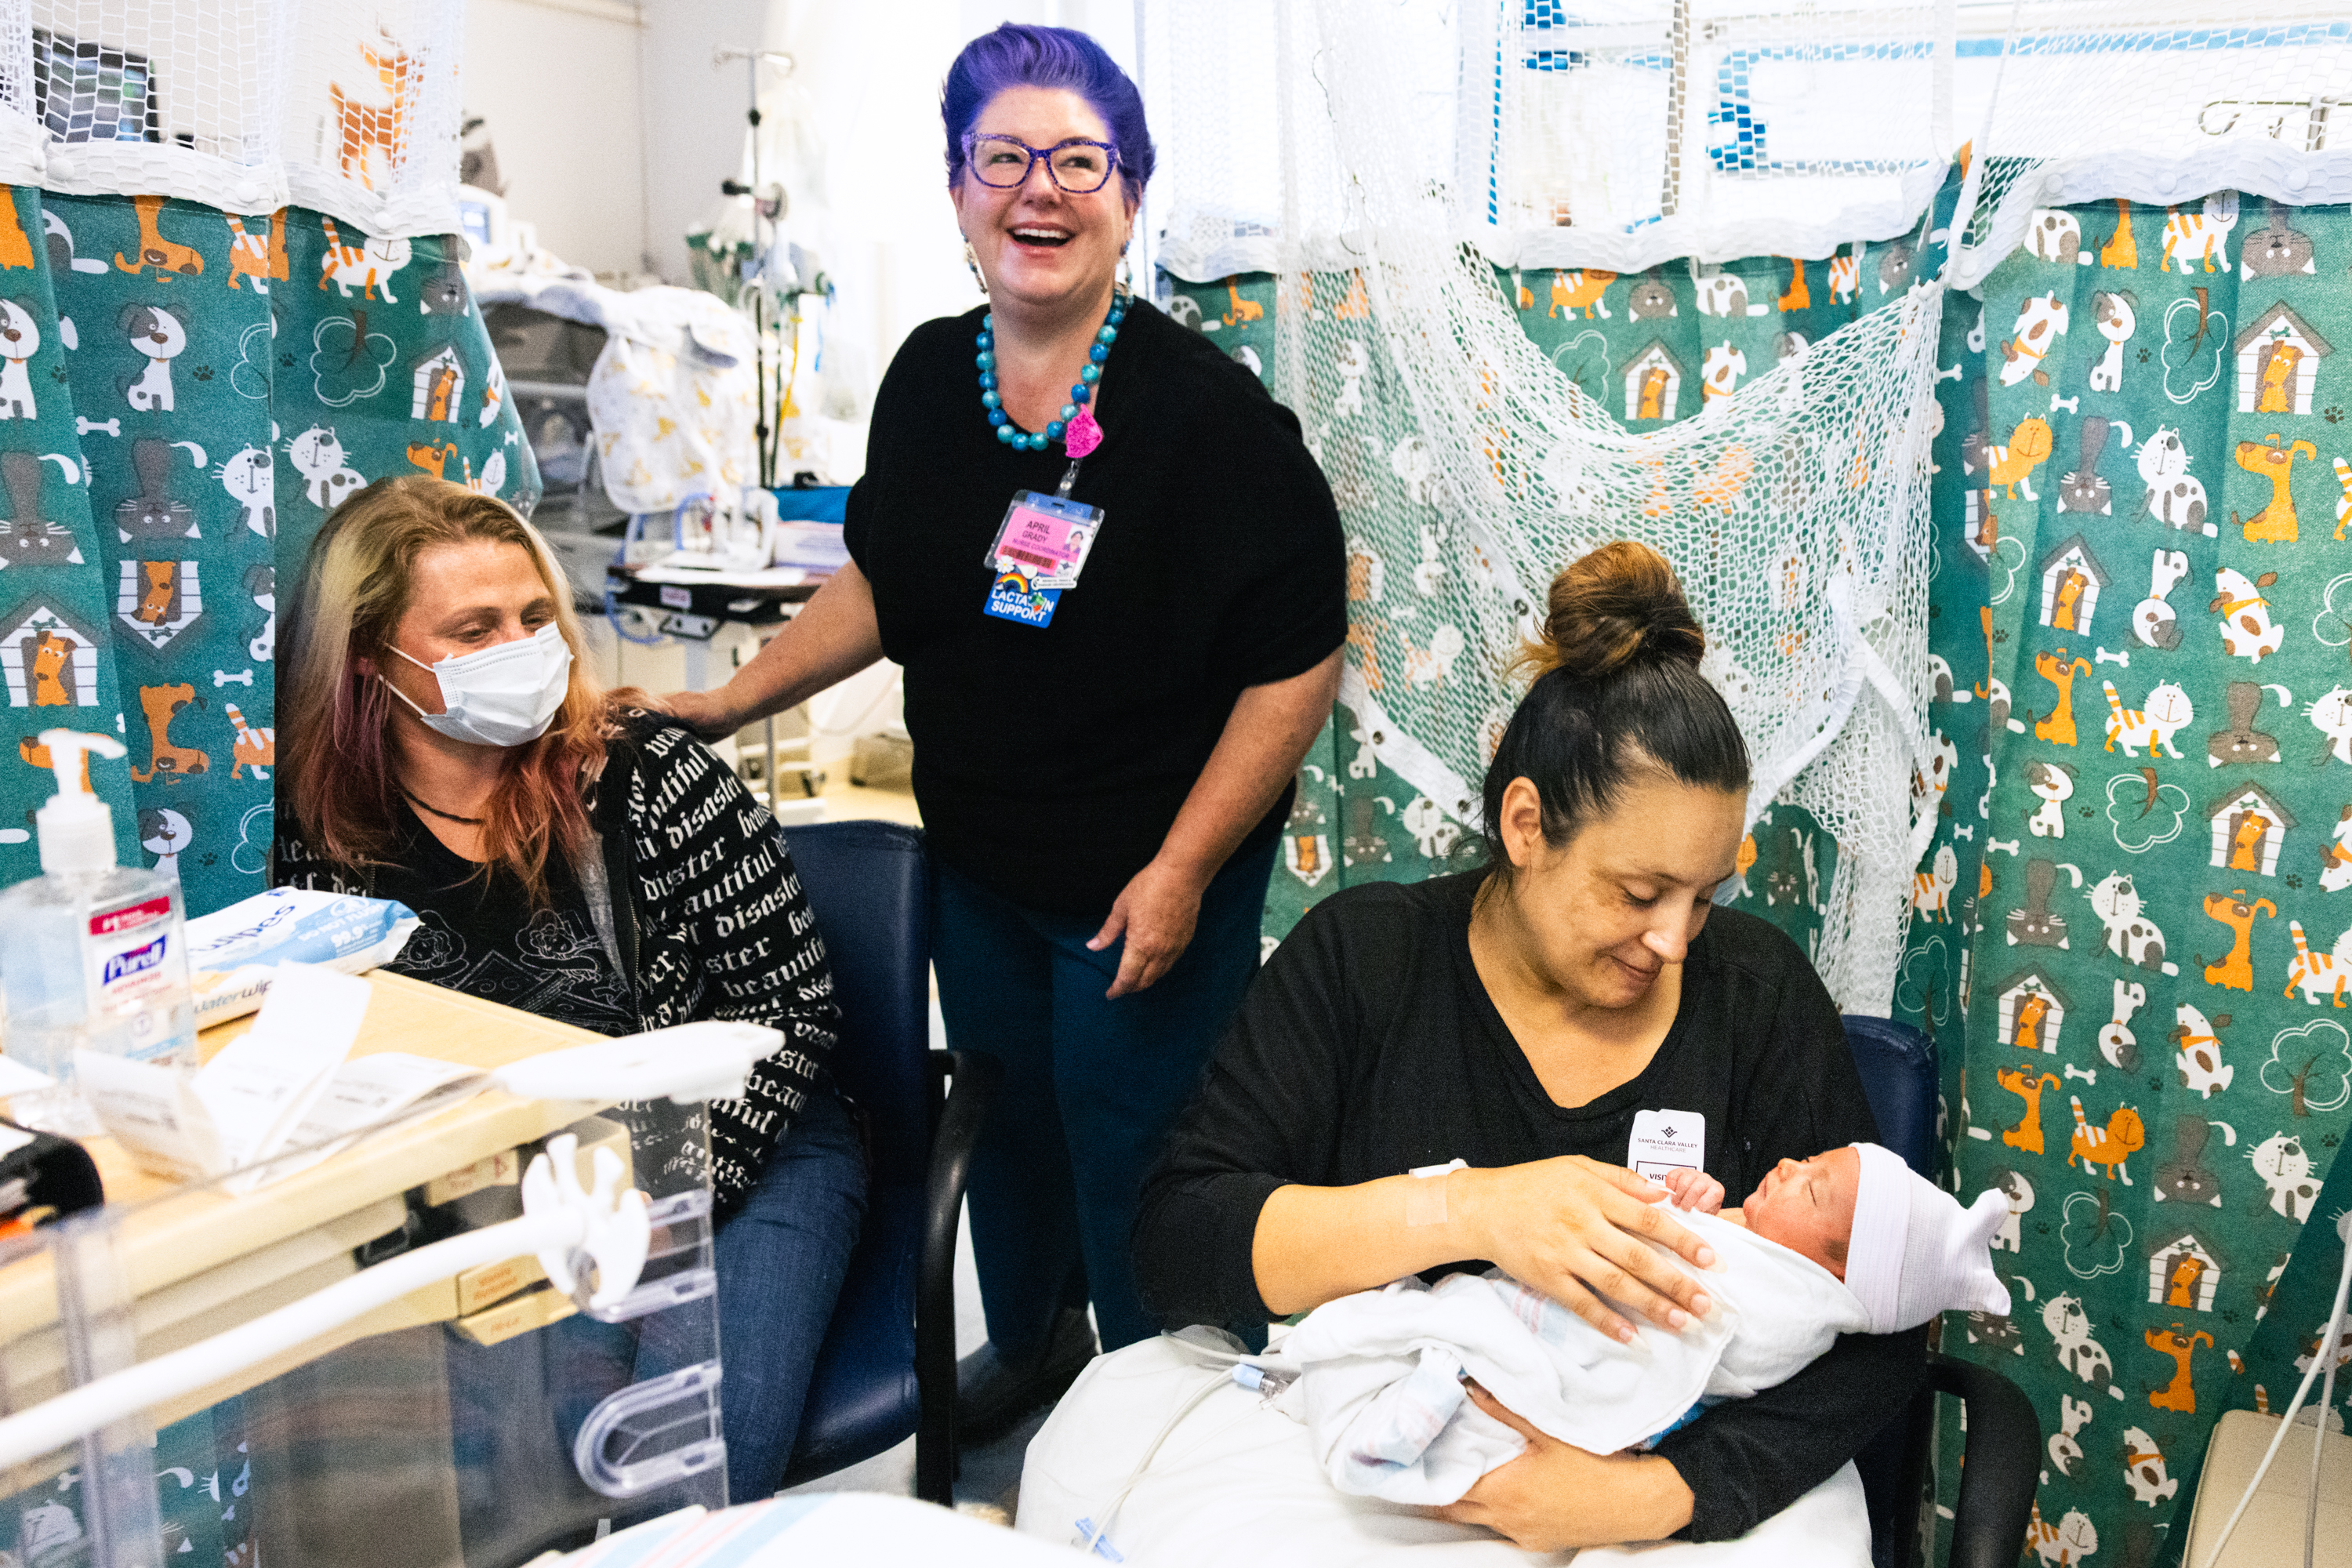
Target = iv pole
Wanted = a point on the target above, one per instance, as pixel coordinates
(772, 209)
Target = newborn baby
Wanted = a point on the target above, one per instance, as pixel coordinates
(1850, 1241)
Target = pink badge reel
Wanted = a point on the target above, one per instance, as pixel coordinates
(1082, 435)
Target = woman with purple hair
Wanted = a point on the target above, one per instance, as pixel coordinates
(1115, 578)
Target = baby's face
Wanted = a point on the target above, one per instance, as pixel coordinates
(1806, 1205)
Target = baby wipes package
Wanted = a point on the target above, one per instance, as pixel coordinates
(235, 951)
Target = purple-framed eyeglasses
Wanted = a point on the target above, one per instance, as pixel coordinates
(1078, 166)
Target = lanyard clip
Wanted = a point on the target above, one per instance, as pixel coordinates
(1069, 478)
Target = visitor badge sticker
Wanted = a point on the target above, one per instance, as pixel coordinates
(1039, 551)
(1664, 1140)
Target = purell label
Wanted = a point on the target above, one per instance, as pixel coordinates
(134, 967)
(132, 963)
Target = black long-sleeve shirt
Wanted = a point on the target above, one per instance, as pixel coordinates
(1368, 1046)
(724, 931)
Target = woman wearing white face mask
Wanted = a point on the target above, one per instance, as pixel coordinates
(574, 856)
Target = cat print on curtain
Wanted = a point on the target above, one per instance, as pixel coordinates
(200, 390)
(2125, 938)
(2143, 607)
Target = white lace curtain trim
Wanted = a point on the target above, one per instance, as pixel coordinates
(1185, 252)
(2250, 165)
(263, 102)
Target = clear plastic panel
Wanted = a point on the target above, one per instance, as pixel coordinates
(479, 1419)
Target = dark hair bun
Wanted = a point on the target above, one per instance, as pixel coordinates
(1617, 607)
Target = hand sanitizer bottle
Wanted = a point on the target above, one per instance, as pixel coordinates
(93, 956)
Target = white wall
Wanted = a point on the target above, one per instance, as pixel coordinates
(559, 81)
(865, 87)
(694, 115)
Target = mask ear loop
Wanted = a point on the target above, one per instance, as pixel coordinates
(403, 696)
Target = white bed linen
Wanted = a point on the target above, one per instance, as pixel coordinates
(1237, 1483)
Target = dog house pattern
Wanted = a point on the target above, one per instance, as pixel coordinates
(2183, 1273)
(146, 461)
(158, 600)
(2033, 1010)
(2071, 580)
(1654, 383)
(49, 657)
(2278, 362)
(2142, 942)
(438, 386)
(2248, 826)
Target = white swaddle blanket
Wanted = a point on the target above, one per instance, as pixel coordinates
(1381, 1371)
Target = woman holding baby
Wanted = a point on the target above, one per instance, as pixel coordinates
(1521, 1019)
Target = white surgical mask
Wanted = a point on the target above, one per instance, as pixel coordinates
(501, 696)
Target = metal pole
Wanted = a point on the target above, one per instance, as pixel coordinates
(763, 432)
(1150, 289)
(759, 316)
(1677, 89)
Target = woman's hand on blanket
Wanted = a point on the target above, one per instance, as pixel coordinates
(1554, 1497)
(1578, 1230)
(1695, 1191)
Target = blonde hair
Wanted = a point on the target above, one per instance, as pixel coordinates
(336, 775)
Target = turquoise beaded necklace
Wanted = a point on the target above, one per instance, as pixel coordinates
(1076, 427)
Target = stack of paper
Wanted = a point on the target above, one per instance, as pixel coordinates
(278, 1100)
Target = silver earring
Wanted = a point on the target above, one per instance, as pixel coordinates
(971, 259)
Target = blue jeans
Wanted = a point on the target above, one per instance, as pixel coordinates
(1090, 1087)
(781, 1260)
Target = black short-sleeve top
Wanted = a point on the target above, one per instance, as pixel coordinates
(1050, 762)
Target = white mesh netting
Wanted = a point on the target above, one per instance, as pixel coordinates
(1469, 469)
(2163, 105)
(346, 107)
(1620, 137)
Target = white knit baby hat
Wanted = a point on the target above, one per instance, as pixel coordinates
(1916, 1252)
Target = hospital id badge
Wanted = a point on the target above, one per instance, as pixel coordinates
(1039, 551)
(1666, 1140)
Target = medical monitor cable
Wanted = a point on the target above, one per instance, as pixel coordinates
(1259, 1378)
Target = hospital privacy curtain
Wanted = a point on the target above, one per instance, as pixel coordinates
(2127, 939)
(229, 297)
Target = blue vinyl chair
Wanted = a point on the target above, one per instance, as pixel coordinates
(887, 1367)
(2001, 1462)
